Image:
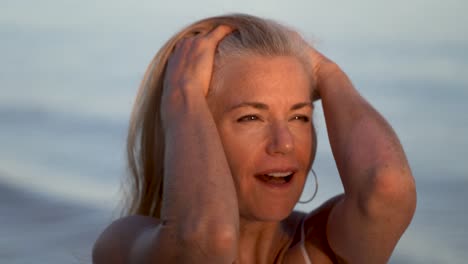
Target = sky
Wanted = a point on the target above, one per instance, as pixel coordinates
(435, 20)
(423, 39)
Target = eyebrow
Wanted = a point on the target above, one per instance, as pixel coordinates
(262, 106)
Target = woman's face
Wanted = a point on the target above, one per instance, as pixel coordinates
(263, 111)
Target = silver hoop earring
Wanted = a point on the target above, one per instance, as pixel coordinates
(316, 189)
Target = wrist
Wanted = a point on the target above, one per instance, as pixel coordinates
(328, 76)
(179, 104)
(336, 85)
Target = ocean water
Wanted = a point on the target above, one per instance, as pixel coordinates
(65, 99)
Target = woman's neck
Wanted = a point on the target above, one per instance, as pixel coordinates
(264, 242)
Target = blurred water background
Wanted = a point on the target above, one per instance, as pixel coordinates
(69, 71)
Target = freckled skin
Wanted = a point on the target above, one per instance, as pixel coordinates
(214, 210)
(276, 138)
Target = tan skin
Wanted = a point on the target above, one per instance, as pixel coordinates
(255, 123)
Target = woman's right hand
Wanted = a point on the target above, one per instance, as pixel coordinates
(195, 217)
(198, 217)
(190, 68)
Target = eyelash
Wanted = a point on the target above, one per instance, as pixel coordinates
(302, 118)
(249, 118)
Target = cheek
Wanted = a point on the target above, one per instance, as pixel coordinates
(305, 145)
(241, 149)
(236, 149)
(245, 146)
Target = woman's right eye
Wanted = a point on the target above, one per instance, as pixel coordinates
(248, 118)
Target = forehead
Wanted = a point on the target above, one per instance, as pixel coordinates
(261, 78)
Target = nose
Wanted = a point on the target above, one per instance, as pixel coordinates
(281, 140)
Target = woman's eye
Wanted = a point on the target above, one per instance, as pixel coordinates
(302, 118)
(248, 118)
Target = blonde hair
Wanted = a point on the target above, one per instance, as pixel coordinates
(145, 142)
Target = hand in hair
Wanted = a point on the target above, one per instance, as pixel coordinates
(380, 197)
(190, 66)
(322, 67)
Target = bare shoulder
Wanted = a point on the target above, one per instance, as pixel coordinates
(315, 230)
(316, 242)
(115, 243)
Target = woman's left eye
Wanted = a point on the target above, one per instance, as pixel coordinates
(302, 118)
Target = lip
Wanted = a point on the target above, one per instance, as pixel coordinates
(281, 170)
(272, 185)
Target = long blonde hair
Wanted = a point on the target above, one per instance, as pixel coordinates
(145, 142)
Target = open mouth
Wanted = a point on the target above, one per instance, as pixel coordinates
(276, 177)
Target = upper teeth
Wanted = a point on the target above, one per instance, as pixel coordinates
(279, 174)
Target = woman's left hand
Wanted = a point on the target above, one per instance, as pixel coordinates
(380, 198)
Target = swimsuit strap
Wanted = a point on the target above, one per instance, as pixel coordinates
(301, 244)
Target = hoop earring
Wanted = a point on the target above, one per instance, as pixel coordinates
(316, 189)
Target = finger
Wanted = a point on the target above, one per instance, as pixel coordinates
(218, 33)
(177, 49)
(184, 45)
(179, 44)
(195, 34)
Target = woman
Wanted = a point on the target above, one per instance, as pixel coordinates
(220, 145)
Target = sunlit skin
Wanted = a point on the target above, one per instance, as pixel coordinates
(226, 127)
(263, 112)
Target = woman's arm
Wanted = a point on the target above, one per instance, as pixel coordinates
(199, 215)
(199, 209)
(380, 196)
